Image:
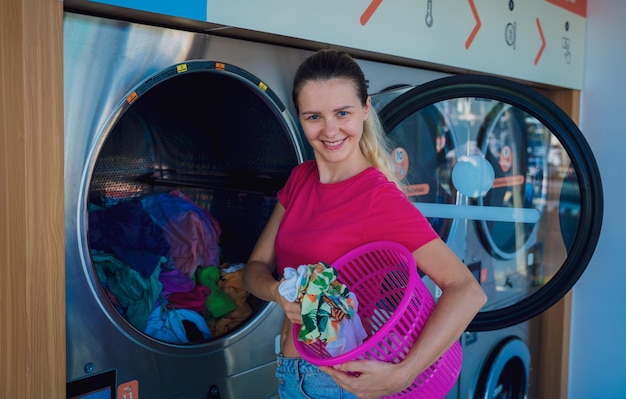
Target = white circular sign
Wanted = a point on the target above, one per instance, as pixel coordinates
(473, 176)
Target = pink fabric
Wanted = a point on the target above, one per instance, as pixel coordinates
(324, 221)
(189, 231)
(191, 244)
(214, 222)
(192, 300)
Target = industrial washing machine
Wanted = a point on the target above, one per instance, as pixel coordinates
(510, 184)
(187, 131)
(175, 149)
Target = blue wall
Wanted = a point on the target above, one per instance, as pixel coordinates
(192, 9)
(598, 342)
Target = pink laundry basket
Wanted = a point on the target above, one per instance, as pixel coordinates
(394, 305)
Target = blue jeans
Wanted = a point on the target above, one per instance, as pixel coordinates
(299, 379)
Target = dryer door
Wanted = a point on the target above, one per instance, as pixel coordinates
(524, 183)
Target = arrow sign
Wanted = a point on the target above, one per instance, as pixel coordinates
(543, 42)
(472, 35)
(371, 9)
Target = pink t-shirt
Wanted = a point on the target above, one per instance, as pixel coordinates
(324, 221)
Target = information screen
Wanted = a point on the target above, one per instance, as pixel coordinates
(97, 386)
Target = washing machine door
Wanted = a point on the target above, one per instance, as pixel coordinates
(516, 177)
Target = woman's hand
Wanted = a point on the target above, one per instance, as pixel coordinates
(293, 310)
(371, 379)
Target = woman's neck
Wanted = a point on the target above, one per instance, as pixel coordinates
(337, 172)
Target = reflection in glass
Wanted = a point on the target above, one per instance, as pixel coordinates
(521, 229)
(423, 155)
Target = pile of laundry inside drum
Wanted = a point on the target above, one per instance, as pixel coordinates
(158, 260)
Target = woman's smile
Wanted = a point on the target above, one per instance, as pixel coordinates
(334, 144)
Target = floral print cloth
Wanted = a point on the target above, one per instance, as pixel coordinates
(328, 307)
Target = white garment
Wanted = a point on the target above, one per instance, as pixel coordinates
(289, 287)
(351, 333)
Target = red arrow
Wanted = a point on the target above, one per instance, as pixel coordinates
(543, 41)
(472, 35)
(371, 9)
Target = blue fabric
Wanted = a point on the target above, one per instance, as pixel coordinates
(299, 379)
(167, 325)
(128, 232)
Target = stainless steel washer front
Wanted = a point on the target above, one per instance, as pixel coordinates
(152, 111)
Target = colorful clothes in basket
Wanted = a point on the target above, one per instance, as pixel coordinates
(328, 307)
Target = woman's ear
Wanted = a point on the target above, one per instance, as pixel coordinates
(368, 105)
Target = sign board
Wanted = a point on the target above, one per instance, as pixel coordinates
(534, 40)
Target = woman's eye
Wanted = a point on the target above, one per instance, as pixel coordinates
(342, 113)
(313, 117)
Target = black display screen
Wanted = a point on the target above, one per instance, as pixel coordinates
(97, 386)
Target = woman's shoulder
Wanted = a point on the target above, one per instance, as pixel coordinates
(304, 170)
(384, 189)
(378, 181)
(307, 165)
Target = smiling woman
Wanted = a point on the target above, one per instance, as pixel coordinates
(347, 197)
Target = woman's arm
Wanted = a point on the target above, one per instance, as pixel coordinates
(462, 297)
(258, 278)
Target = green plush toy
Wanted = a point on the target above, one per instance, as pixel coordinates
(218, 303)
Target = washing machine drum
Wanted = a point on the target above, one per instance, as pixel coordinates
(506, 372)
(181, 185)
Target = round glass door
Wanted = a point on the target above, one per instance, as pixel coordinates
(528, 193)
(179, 190)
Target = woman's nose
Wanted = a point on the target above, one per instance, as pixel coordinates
(330, 127)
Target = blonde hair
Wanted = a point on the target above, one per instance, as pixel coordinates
(376, 148)
(329, 64)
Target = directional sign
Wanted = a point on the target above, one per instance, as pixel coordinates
(535, 40)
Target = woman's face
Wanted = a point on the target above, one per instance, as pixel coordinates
(332, 117)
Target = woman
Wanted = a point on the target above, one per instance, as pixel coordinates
(346, 197)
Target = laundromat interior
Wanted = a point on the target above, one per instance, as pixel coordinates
(112, 105)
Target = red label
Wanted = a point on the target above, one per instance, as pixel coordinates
(506, 158)
(128, 390)
(576, 6)
(417, 189)
(508, 181)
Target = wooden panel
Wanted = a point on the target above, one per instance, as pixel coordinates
(32, 274)
(550, 331)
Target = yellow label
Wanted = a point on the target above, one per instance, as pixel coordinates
(263, 86)
(220, 66)
(181, 68)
